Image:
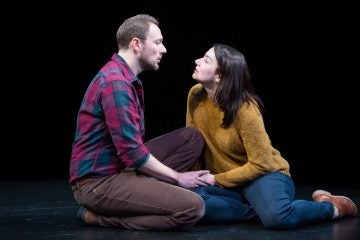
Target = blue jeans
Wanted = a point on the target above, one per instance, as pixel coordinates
(270, 198)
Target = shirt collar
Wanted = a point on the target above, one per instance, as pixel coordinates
(121, 61)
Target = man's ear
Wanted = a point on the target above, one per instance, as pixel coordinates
(135, 44)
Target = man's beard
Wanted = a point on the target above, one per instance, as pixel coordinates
(146, 65)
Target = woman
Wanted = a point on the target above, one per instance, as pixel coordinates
(250, 178)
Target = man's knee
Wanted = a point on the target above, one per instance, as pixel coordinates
(194, 137)
(193, 211)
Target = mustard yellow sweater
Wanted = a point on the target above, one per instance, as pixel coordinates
(240, 153)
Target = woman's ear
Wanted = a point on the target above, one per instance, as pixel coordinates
(217, 78)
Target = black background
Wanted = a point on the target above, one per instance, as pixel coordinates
(303, 59)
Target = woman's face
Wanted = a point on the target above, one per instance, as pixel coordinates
(206, 68)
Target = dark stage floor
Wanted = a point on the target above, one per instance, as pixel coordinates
(46, 210)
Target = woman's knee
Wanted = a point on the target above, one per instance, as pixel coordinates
(202, 192)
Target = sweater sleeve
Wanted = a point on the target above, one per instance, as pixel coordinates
(250, 127)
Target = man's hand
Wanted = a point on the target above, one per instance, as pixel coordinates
(193, 179)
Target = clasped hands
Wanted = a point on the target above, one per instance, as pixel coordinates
(195, 179)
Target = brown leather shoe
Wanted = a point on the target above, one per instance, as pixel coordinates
(346, 207)
(87, 216)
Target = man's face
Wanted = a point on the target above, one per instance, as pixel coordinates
(153, 49)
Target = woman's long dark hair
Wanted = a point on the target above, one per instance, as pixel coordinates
(235, 87)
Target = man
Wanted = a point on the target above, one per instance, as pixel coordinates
(116, 178)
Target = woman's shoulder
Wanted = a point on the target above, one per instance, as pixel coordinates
(196, 88)
(194, 92)
(249, 108)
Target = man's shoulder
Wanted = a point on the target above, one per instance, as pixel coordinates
(111, 77)
(113, 72)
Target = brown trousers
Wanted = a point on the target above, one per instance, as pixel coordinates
(133, 200)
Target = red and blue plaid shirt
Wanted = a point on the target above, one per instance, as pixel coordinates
(110, 125)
